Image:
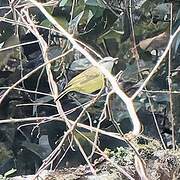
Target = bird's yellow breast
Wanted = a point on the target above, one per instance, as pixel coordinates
(88, 81)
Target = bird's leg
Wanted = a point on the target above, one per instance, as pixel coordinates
(98, 95)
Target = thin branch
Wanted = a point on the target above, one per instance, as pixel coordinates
(157, 65)
(170, 84)
(129, 104)
(156, 122)
(29, 74)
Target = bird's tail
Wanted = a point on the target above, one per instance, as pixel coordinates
(62, 94)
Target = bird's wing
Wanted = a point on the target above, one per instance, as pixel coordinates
(85, 78)
(86, 75)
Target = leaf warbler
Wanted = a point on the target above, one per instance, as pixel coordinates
(89, 80)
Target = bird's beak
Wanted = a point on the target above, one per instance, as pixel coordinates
(115, 60)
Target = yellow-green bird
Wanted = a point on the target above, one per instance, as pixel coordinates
(89, 80)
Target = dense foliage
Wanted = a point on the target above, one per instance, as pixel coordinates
(136, 32)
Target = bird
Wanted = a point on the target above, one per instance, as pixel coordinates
(89, 80)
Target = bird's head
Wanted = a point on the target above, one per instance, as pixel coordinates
(108, 62)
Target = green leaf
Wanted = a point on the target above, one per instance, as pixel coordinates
(74, 23)
(96, 11)
(161, 11)
(111, 34)
(94, 3)
(46, 23)
(62, 21)
(12, 51)
(131, 73)
(80, 64)
(63, 3)
(125, 114)
(36, 149)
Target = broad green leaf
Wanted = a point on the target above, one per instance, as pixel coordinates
(80, 64)
(162, 11)
(46, 23)
(40, 151)
(49, 9)
(11, 51)
(160, 97)
(131, 73)
(63, 2)
(111, 34)
(87, 15)
(94, 3)
(74, 23)
(62, 21)
(96, 11)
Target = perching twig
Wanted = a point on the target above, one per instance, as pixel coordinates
(157, 65)
(129, 103)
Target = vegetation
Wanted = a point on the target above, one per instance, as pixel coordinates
(129, 129)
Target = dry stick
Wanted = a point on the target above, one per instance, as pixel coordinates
(155, 121)
(157, 65)
(167, 92)
(18, 45)
(35, 97)
(48, 118)
(53, 155)
(105, 156)
(6, 14)
(110, 8)
(55, 117)
(101, 119)
(13, 120)
(35, 104)
(77, 141)
(54, 91)
(120, 131)
(46, 28)
(28, 91)
(135, 51)
(95, 146)
(90, 104)
(53, 86)
(129, 103)
(29, 74)
(73, 128)
(140, 168)
(64, 154)
(170, 84)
